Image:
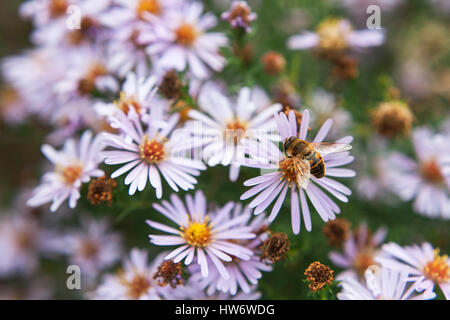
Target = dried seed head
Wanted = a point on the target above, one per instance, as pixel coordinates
(169, 273)
(275, 247)
(273, 63)
(318, 275)
(337, 231)
(393, 118)
(170, 85)
(100, 190)
(345, 67)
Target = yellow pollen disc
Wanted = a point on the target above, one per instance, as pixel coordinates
(288, 171)
(363, 260)
(150, 6)
(198, 234)
(186, 34)
(152, 151)
(431, 172)
(438, 270)
(333, 35)
(124, 103)
(70, 174)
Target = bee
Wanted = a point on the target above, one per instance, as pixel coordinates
(307, 157)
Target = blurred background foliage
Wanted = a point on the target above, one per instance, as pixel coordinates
(415, 31)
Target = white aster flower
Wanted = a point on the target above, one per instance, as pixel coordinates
(381, 284)
(180, 41)
(427, 180)
(75, 164)
(150, 152)
(202, 234)
(134, 281)
(424, 264)
(224, 128)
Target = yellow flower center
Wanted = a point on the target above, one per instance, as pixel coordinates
(150, 6)
(198, 234)
(152, 151)
(186, 34)
(438, 270)
(70, 174)
(124, 103)
(333, 35)
(288, 170)
(431, 172)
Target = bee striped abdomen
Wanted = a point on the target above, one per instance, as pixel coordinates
(317, 166)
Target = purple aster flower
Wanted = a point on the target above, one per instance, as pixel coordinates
(149, 153)
(381, 284)
(275, 184)
(423, 263)
(243, 273)
(202, 234)
(240, 15)
(74, 165)
(180, 41)
(359, 253)
(427, 180)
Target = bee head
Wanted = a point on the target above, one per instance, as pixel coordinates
(287, 143)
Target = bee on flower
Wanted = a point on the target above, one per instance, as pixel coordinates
(301, 176)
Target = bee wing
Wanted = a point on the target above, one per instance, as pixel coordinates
(330, 147)
(302, 171)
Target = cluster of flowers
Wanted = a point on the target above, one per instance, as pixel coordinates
(134, 79)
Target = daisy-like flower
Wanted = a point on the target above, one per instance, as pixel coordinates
(42, 12)
(180, 41)
(381, 284)
(134, 281)
(150, 152)
(75, 164)
(360, 250)
(21, 241)
(336, 36)
(275, 184)
(426, 180)
(93, 248)
(137, 93)
(227, 127)
(240, 15)
(202, 234)
(243, 273)
(424, 263)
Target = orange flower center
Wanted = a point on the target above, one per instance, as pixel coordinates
(431, 172)
(137, 287)
(186, 34)
(235, 131)
(198, 234)
(150, 6)
(152, 151)
(288, 170)
(58, 8)
(89, 249)
(87, 84)
(363, 260)
(124, 103)
(438, 270)
(70, 174)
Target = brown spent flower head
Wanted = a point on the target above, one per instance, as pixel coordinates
(170, 273)
(58, 8)
(275, 247)
(273, 63)
(170, 85)
(337, 231)
(318, 275)
(345, 67)
(392, 118)
(78, 36)
(298, 115)
(100, 190)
